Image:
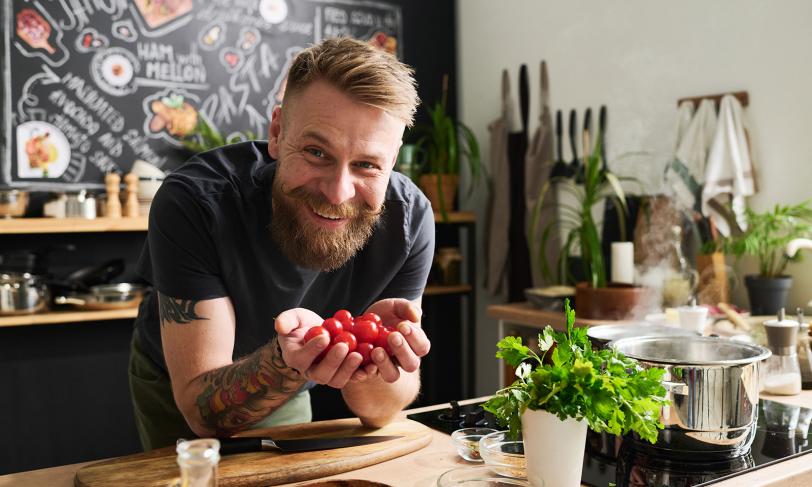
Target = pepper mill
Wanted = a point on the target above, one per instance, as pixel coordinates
(782, 370)
(112, 207)
(131, 204)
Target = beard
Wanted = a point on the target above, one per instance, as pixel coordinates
(313, 247)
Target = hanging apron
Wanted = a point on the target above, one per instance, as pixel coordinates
(538, 164)
(496, 225)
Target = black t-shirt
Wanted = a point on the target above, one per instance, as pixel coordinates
(209, 237)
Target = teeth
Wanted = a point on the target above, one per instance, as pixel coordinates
(329, 217)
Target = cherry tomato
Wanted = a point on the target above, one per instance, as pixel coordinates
(365, 330)
(333, 326)
(350, 327)
(348, 338)
(316, 331)
(383, 339)
(344, 316)
(372, 317)
(365, 349)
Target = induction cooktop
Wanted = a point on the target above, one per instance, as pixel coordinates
(782, 433)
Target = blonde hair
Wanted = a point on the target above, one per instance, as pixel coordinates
(363, 72)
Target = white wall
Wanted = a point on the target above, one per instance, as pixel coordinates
(638, 57)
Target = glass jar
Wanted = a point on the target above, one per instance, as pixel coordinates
(198, 461)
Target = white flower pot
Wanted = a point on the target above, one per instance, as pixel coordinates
(554, 449)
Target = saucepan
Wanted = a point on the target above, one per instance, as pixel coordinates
(22, 293)
(106, 296)
(713, 386)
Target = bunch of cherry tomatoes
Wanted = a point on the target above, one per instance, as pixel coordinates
(361, 334)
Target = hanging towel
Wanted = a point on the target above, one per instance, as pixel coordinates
(496, 230)
(729, 170)
(686, 172)
(685, 113)
(539, 162)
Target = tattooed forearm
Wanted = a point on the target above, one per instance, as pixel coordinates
(239, 395)
(179, 311)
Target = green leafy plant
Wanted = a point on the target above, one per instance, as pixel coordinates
(608, 390)
(576, 224)
(767, 236)
(206, 137)
(444, 142)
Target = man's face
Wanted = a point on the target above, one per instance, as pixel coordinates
(335, 158)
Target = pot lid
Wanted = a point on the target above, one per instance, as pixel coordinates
(685, 350)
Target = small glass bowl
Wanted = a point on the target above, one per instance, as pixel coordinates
(466, 441)
(477, 476)
(504, 454)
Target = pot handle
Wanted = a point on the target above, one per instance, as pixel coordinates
(69, 300)
(677, 388)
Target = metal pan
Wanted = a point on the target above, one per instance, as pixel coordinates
(106, 296)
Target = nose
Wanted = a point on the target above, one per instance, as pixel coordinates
(339, 186)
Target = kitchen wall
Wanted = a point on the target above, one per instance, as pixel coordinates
(638, 57)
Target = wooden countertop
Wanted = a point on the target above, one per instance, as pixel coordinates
(423, 467)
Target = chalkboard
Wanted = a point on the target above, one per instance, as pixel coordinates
(90, 86)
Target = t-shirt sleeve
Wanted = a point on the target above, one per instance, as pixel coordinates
(410, 281)
(182, 256)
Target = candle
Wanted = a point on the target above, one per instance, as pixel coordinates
(623, 262)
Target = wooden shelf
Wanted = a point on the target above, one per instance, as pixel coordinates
(68, 316)
(455, 217)
(437, 290)
(72, 225)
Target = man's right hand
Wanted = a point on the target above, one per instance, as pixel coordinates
(334, 370)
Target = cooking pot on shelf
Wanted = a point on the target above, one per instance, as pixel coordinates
(22, 293)
(712, 384)
(105, 297)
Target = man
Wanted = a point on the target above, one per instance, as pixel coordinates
(250, 245)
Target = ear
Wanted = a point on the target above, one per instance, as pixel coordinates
(275, 132)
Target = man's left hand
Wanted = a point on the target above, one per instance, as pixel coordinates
(408, 342)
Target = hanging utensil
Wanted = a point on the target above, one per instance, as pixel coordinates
(602, 137)
(560, 169)
(575, 165)
(586, 143)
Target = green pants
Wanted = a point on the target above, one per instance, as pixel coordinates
(157, 417)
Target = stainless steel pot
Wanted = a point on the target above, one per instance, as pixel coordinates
(13, 203)
(713, 387)
(601, 335)
(106, 296)
(22, 293)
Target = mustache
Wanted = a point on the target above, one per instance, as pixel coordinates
(320, 204)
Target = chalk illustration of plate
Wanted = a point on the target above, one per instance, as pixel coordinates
(43, 151)
(114, 69)
(273, 11)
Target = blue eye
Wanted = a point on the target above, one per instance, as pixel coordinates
(366, 165)
(316, 152)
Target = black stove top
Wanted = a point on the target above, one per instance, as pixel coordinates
(782, 433)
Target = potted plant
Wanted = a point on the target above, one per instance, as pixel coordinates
(577, 227)
(766, 238)
(444, 142)
(566, 390)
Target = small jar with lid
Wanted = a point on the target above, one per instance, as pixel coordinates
(782, 372)
(198, 461)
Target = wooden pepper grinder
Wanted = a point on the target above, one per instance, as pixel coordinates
(131, 203)
(112, 207)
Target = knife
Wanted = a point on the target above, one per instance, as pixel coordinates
(230, 446)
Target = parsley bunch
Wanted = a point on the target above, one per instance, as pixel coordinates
(608, 390)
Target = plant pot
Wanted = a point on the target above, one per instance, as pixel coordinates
(614, 302)
(554, 449)
(713, 288)
(767, 294)
(440, 189)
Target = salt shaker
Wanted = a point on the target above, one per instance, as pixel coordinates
(198, 460)
(782, 375)
(804, 351)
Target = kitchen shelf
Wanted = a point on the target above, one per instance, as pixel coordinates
(72, 225)
(68, 316)
(455, 217)
(437, 290)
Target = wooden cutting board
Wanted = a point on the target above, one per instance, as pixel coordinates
(159, 468)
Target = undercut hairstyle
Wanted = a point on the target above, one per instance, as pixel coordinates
(360, 70)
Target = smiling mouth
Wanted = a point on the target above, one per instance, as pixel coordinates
(327, 216)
